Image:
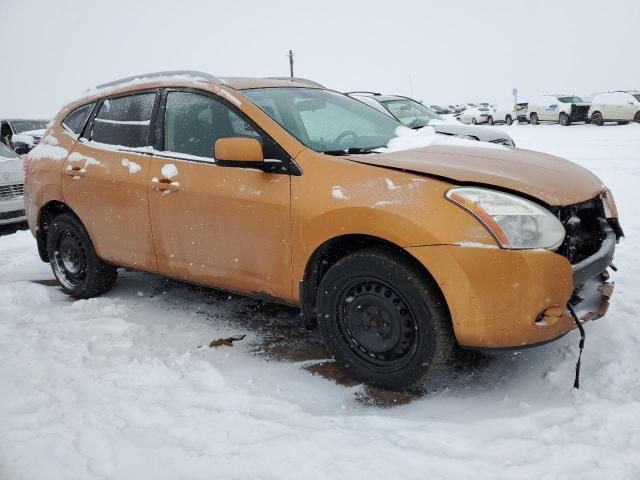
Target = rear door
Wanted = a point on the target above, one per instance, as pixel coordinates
(104, 179)
(222, 226)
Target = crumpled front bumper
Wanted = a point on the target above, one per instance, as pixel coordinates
(501, 298)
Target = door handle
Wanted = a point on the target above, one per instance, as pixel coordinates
(75, 171)
(165, 185)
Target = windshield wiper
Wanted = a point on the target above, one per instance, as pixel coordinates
(350, 151)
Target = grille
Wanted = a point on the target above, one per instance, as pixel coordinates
(13, 214)
(15, 190)
(584, 235)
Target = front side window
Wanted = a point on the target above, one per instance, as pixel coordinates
(193, 122)
(75, 120)
(124, 121)
(325, 121)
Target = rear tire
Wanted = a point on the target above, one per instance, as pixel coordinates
(74, 261)
(509, 120)
(636, 118)
(490, 121)
(596, 119)
(564, 120)
(384, 320)
(533, 119)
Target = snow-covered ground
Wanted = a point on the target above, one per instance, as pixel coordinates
(126, 387)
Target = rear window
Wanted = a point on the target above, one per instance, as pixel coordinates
(124, 121)
(75, 120)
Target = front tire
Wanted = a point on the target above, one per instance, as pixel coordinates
(490, 121)
(596, 119)
(384, 320)
(74, 261)
(509, 120)
(533, 119)
(564, 120)
(474, 121)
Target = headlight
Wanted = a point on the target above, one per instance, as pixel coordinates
(513, 221)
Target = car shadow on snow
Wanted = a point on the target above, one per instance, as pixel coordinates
(281, 336)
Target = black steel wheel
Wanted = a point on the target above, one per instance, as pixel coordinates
(74, 261)
(383, 319)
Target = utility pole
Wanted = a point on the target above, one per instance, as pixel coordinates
(291, 63)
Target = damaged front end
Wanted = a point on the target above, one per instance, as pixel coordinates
(589, 246)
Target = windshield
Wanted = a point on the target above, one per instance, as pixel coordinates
(570, 99)
(323, 120)
(411, 113)
(6, 153)
(26, 125)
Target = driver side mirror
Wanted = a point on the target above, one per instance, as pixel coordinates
(238, 152)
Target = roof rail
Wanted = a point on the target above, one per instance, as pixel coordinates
(363, 91)
(306, 81)
(171, 73)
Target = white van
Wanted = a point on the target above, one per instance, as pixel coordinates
(621, 107)
(563, 109)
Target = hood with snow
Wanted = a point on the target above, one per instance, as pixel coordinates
(552, 180)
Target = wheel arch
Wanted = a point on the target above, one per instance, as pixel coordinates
(46, 214)
(332, 250)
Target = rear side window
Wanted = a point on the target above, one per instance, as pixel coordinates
(75, 120)
(124, 121)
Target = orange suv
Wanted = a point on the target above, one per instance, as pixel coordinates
(290, 192)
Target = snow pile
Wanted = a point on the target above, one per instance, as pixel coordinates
(48, 148)
(409, 139)
(132, 166)
(337, 192)
(169, 170)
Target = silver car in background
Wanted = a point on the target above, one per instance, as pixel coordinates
(414, 114)
(11, 187)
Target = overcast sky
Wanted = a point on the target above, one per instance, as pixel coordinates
(445, 51)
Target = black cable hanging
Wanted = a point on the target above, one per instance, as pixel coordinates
(576, 383)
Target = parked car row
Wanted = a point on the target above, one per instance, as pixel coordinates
(619, 106)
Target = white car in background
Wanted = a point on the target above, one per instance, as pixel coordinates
(503, 113)
(562, 109)
(621, 107)
(11, 187)
(475, 115)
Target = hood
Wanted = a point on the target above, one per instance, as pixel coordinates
(11, 170)
(552, 180)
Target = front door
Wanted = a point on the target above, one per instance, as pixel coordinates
(221, 226)
(104, 181)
